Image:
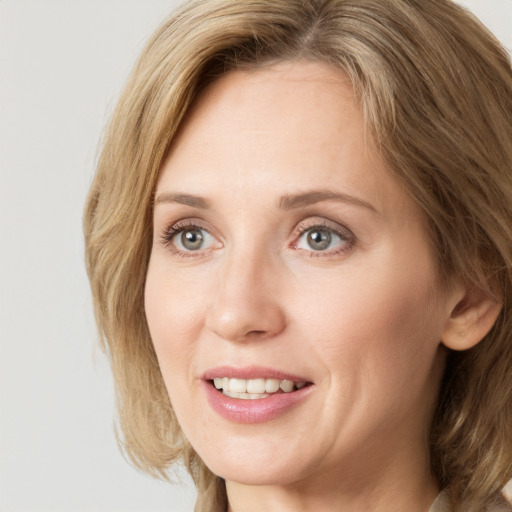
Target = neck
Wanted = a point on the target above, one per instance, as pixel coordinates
(401, 483)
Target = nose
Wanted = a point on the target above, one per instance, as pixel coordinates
(246, 303)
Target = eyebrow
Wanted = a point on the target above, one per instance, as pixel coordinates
(186, 199)
(290, 202)
(287, 202)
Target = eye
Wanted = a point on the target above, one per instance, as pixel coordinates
(188, 238)
(320, 238)
(193, 239)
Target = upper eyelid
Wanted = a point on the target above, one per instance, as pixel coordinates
(170, 230)
(183, 224)
(336, 227)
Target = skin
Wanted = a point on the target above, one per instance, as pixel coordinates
(362, 320)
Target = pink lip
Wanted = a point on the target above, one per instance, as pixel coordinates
(258, 410)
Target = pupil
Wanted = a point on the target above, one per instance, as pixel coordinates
(319, 239)
(192, 239)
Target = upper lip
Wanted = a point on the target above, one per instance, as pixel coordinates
(252, 372)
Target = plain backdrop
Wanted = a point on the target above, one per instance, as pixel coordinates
(62, 65)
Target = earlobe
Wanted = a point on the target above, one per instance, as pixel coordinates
(471, 320)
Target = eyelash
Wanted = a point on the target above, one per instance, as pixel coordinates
(343, 233)
(173, 230)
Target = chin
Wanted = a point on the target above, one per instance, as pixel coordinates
(255, 466)
(253, 474)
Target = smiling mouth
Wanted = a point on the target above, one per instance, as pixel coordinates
(254, 389)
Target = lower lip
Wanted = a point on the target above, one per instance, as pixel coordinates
(253, 411)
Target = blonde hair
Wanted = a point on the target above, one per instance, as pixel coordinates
(435, 88)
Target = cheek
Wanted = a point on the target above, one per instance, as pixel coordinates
(379, 321)
(174, 313)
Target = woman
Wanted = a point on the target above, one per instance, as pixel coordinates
(300, 250)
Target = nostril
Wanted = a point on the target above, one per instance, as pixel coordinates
(256, 333)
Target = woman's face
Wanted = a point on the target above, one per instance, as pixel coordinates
(284, 251)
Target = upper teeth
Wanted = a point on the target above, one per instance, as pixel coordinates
(255, 386)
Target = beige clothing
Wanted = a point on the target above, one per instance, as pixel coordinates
(442, 504)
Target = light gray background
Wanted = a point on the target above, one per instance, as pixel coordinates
(62, 64)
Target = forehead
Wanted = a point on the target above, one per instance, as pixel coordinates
(296, 124)
(289, 99)
(275, 87)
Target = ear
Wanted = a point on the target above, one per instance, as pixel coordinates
(471, 319)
